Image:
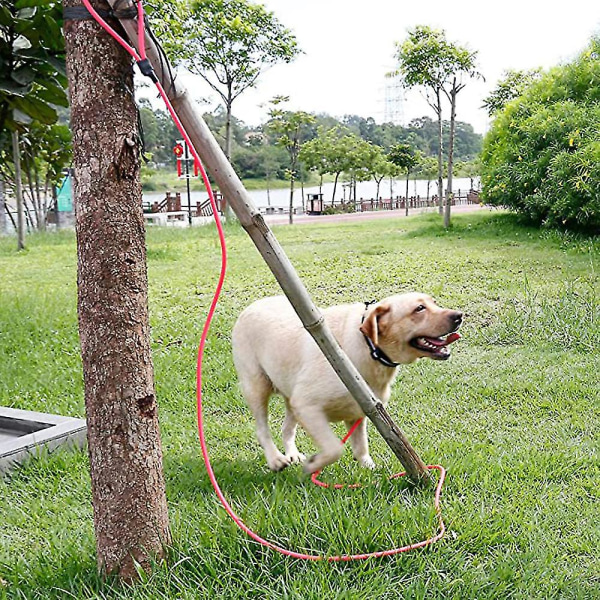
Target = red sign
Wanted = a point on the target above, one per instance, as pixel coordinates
(178, 150)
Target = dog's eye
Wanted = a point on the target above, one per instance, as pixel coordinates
(420, 308)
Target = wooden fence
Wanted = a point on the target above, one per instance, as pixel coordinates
(399, 202)
(172, 204)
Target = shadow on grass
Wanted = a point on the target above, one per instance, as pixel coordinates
(242, 480)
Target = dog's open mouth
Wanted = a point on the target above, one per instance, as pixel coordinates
(436, 347)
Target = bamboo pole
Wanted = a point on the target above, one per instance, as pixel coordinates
(250, 218)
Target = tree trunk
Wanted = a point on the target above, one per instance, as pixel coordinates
(268, 191)
(128, 489)
(440, 152)
(291, 217)
(18, 192)
(334, 188)
(229, 214)
(3, 221)
(228, 132)
(407, 174)
(450, 154)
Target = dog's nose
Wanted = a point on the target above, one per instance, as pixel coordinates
(456, 317)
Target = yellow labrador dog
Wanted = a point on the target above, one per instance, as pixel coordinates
(273, 353)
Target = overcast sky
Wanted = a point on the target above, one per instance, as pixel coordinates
(349, 46)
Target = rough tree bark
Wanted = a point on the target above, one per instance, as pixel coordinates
(128, 490)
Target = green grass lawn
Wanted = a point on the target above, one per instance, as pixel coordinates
(514, 417)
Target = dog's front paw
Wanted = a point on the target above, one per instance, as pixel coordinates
(279, 462)
(366, 462)
(295, 457)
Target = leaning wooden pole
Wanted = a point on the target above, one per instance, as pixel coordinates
(250, 218)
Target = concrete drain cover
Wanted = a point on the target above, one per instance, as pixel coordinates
(24, 433)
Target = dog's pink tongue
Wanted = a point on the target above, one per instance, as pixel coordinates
(441, 342)
(452, 338)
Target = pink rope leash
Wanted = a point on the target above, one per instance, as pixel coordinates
(200, 420)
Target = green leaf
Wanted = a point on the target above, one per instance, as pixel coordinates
(53, 94)
(26, 13)
(23, 75)
(25, 3)
(6, 18)
(21, 43)
(14, 89)
(38, 110)
(21, 117)
(58, 64)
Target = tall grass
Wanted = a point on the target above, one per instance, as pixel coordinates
(513, 416)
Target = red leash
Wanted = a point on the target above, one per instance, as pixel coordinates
(147, 70)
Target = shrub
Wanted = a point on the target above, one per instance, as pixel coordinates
(542, 154)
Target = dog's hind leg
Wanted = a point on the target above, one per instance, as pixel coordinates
(288, 435)
(315, 423)
(257, 390)
(360, 444)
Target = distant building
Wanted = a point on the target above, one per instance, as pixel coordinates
(393, 107)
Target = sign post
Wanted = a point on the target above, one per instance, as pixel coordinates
(181, 151)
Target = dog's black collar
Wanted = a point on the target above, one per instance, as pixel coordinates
(377, 353)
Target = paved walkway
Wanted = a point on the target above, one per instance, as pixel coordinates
(365, 216)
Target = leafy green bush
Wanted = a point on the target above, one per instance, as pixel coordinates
(542, 154)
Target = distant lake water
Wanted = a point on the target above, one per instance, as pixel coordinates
(364, 189)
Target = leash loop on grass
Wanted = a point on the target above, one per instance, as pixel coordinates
(141, 58)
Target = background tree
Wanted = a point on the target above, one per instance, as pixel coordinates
(256, 156)
(459, 63)
(311, 155)
(422, 63)
(511, 86)
(289, 129)
(46, 153)
(228, 43)
(404, 157)
(541, 156)
(362, 163)
(426, 59)
(160, 133)
(427, 169)
(32, 80)
(334, 147)
(467, 143)
(128, 488)
(379, 167)
(470, 169)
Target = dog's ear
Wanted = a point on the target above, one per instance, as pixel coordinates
(371, 326)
